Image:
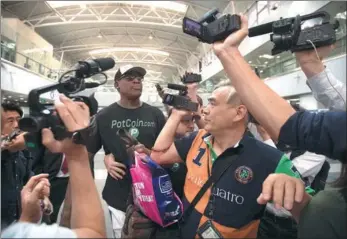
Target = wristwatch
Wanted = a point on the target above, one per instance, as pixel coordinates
(81, 136)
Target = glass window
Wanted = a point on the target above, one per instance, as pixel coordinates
(252, 17)
(263, 15)
(261, 5)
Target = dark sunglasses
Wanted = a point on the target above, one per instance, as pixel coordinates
(132, 77)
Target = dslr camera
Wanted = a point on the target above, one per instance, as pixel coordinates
(210, 28)
(286, 34)
(180, 101)
(43, 115)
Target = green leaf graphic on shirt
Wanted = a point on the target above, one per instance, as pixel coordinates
(287, 167)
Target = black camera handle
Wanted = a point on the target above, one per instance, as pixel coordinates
(267, 27)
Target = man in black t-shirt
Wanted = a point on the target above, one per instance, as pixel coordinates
(141, 120)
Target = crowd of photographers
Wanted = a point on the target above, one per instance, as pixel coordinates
(267, 158)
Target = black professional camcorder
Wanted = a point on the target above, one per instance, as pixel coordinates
(180, 101)
(45, 116)
(288, 35)
(210, 29)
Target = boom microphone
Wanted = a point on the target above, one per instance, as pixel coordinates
(177, 87)
(91, 85)
(260, 30)
(91, 67)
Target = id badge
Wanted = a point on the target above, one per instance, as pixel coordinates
(207, 230)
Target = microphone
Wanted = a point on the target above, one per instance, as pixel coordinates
(260, 30)
(91, 67)
(209, 17)
(177, 87)
(91, 84)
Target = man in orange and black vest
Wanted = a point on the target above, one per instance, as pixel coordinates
(229, 208)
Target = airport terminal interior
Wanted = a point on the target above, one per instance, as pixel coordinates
(42, 41)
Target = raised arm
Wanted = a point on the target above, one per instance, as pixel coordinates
(268, 108)
(87, 218)
(164, 150)
(326, 88)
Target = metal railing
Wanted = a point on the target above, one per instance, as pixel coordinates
(27, 62)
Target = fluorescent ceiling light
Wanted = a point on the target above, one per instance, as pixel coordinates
(129, 49)
(250, 62)
(266, 62)
(266, 56)
(148, 71)
(169, 5)
(278, 57)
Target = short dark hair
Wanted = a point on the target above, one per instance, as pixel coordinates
(12, 107)
(199, 100)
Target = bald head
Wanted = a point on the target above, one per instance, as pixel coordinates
(225, 111)
(230, 94)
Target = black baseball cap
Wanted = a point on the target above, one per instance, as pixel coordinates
(127, 69)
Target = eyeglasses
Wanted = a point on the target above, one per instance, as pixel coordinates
(132, 77)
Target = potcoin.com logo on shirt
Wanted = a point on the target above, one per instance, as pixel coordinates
(131, 124)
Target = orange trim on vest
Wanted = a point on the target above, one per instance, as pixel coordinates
(248, 231)
(197, 175)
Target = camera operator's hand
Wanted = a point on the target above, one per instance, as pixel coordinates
(310, 56)
(114, 168)
(32, 195)
(75, 116)
(17, 144)
(309, 61)
(234, 39)
(180, 113)
(192, 90)
(4, 142)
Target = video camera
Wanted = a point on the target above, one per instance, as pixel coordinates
(189, 78)
(210, 29)
(288, 35)
(45, 116)
(180, 101)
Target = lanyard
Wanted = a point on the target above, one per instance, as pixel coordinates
(212, 152)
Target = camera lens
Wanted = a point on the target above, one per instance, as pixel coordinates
(277, 39)
(31, 124)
